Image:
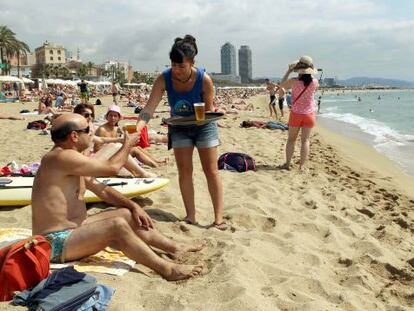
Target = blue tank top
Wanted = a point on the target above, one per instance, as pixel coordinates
(181, 103)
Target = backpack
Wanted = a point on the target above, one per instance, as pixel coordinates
(235, 161)
(23, 265)
(37, 125)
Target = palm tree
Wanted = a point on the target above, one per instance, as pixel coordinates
(10, 46)
(82, 71)
(7, 39)
(64, 72)
(23, 48)
(90, 66)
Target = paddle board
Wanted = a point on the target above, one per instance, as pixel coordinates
(17, 191)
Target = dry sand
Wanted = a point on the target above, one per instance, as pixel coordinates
(339, 237)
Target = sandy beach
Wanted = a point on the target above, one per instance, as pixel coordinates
(338, 237)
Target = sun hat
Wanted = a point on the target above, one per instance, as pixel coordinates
(113, 108)
(304, 65)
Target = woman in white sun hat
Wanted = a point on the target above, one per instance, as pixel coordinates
(302, 114)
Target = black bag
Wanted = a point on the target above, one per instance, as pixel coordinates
(235, 161)
(138, 109)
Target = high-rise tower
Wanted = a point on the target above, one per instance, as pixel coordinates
(245, 64)
(228, 59)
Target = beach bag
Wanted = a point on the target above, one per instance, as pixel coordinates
(235, 161)
(144, 138)
(37, 125)
(23, 265)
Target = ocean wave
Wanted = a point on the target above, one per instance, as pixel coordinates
(382, 133)
(338, 100)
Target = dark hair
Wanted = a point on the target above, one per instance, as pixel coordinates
(82, 107)
(48, 102)
(246, 124)
(60, 134)
(306, 78)
(181, 48)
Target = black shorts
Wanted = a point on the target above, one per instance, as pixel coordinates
(114, 94)
(281, 101)
(272, 100)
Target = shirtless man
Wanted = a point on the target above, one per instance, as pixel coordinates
(59, 211)
(271, 87)
(115, 91)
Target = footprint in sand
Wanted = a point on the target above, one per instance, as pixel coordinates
(311, 204)
(366, 211)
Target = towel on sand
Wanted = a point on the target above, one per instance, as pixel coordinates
(108, 261)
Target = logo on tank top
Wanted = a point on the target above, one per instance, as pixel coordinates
(183, 107)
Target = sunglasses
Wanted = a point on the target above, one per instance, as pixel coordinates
(85, 130)
(86, 114)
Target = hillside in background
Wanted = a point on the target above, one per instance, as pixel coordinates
(366, 81)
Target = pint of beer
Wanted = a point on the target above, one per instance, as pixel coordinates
(130, 128)
(199, 109)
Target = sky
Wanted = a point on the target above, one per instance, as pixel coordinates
(346, 38)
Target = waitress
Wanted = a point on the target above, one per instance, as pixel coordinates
(186, 85)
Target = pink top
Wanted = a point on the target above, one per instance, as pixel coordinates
(305, 104)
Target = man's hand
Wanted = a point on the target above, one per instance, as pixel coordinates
(141, 217)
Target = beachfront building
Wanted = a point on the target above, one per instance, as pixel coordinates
(329, 82)
(114, 66)
(225, 78)
(23, 67)
(228, 59)
(245, 64)
(49, 56)
(50, 53)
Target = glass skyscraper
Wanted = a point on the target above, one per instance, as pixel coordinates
(228, 59)
(245, 64)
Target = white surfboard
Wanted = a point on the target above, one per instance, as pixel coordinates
(17, 191)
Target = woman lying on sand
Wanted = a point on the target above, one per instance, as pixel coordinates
(271, 125)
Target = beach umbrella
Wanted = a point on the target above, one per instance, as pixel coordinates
(10, 79)
(27, 81)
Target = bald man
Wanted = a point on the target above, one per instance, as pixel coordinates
(59, 210)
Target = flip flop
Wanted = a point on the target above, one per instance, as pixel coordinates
(189, 222)
(222, 226)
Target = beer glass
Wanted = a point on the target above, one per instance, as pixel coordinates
(199, 109)
(130, 128)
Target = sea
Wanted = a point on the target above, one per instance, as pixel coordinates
(383, 119)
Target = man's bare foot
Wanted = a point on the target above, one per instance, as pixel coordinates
(183, 248)
(176, 272)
